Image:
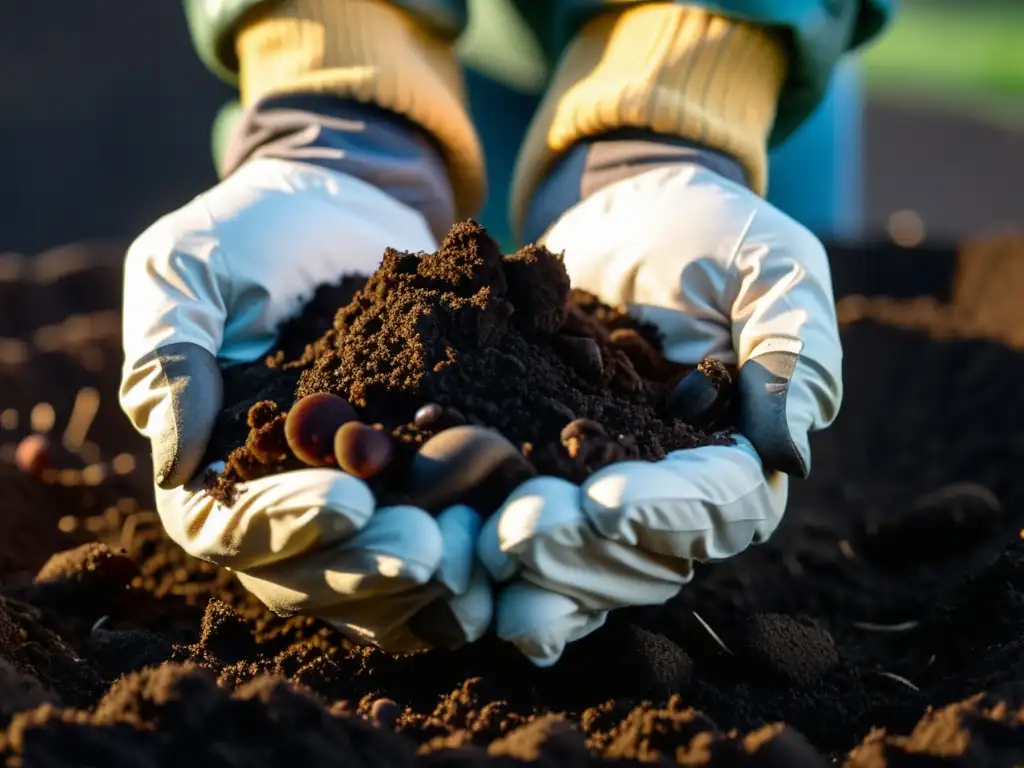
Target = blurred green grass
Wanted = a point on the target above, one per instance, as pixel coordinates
(951, 53)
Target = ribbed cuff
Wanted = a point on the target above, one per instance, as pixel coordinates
(675, 70)
(371, 52)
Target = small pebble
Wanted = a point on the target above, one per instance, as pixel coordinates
(695, 399)
(312, 424)
(428, 416)
(32, 456)
(454, 462)
(386, 713)
(362, 450)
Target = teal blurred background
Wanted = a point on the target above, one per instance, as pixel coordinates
(105, 118)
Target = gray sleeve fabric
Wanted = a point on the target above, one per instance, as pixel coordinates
(594, 164)
(359, 140)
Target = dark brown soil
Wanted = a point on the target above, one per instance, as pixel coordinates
(841, 631)
(498, 341)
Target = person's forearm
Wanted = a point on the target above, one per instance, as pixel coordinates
(352, 53)
(668, 73)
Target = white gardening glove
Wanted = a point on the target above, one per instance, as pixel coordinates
(209, 285)
(723, 274)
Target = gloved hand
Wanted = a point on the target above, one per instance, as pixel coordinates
(723, 274)
(209, 285)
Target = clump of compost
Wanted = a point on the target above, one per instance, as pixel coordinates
(459, 339)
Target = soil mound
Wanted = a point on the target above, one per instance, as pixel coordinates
(492, 340)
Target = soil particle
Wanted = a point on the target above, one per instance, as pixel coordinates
(464, 329)
(385, 712)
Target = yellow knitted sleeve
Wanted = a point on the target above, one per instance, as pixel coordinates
(673, 69)
(369, 51)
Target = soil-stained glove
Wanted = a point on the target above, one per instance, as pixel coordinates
(723, 274)
(209, 285)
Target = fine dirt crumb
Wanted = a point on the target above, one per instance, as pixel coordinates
(501, 339)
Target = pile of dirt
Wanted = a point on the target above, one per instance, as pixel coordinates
(880, 626)
(491, 340)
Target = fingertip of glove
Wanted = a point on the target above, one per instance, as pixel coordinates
(488, 550)
(174, 395)
(168, 473)
(460, 531)
(163, 476)
(460, 519)
(407, 533)
(349, 495)
(534, 619)
(541, 656)
(538, 505)
(475, 608)
(764, 383)
(626, 482)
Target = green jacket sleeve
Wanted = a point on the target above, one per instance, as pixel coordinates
(213, 23)
(821, 32)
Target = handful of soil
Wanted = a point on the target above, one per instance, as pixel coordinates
(455, 375)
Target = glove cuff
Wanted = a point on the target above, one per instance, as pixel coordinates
(674, 70)
(371, 52)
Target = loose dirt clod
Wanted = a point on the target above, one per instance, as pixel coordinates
(451, 464)
(779, 646)
(92, 564)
